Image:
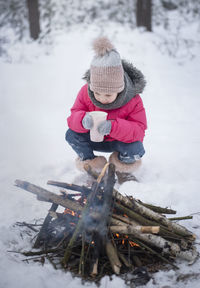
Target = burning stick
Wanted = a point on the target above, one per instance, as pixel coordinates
(100, 229)
(166, 246)
(80, 224)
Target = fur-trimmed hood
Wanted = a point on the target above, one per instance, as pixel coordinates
(134, 84)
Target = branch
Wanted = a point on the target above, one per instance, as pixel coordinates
(48, 196)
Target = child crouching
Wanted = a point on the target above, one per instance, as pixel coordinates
(113, 85)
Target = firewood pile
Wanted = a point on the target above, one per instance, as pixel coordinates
(101, 232)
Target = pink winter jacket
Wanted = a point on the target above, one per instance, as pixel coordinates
(128, 122)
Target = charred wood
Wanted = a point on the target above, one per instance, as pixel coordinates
(48, 196)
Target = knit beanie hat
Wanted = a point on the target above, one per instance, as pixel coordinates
(106, 70)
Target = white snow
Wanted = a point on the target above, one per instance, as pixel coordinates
(37, 90)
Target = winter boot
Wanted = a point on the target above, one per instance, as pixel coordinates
(123, 170)
(96, 164)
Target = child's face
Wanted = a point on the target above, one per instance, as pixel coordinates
(105, 98)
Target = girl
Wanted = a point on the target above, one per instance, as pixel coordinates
(112, 86)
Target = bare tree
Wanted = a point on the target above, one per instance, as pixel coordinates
(144, 14)
(34, 23)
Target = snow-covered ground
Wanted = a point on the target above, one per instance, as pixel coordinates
(36, 94)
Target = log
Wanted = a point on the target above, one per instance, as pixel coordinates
(157, 241)
(144, 211)
(137, 261)
(139, 228)
(154, 240)
(142, 229)
(124, 260)
(143, 246)
(49, 196)
(158, 209)
(113, 257)
(180, 230)
(164, 231)
(95, 268)
(42, 233)
(83, 189)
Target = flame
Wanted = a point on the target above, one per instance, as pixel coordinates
(117, 235)
(125, 215)
(133, 244)
(68, 211)
(125, 237)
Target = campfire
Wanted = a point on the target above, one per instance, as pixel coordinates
(101, 232)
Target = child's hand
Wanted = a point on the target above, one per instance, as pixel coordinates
(87, 121)
(104, 127)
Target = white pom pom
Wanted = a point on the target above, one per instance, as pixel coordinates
(102, 45)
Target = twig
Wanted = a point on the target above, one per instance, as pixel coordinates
(158, 209)
(81, 263)
(32, 253)
(51, 261)
(181, 218)
(30, 226)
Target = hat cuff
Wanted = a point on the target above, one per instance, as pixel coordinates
(101, 89)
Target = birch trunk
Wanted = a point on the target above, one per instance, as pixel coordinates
(157, 241)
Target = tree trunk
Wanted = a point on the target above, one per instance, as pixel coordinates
(144, 14)
(33, 15)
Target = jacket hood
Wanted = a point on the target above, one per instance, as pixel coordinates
(134, 84)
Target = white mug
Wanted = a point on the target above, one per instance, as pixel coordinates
(98, 117)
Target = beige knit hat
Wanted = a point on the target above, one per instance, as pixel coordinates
(106, 71)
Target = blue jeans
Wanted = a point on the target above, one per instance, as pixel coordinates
(84, 147)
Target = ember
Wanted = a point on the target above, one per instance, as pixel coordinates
(104, 232)
(133, 244)
(68, 211)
